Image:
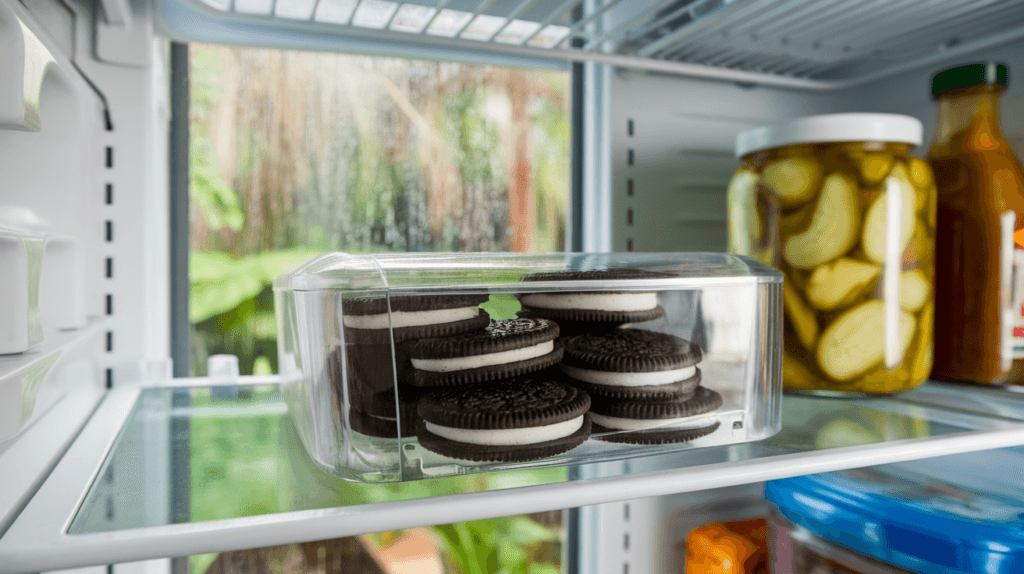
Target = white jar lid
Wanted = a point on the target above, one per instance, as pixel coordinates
(832, 128)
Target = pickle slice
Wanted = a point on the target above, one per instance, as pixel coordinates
(833, 227)
(838, 284)
(920, 173)
(793, 180)
(914, 290)
(796, 375)
(800, 317)
(744, 223)
(854, 343)
(874, 167)
(921, 355)
(873, 238)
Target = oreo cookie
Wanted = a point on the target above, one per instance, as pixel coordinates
(367, 319)
(373, 369)
(381, 423)
(659, 422)
(504, 349)
(614, 307)
(517, 420)
(633, 364)
(667, 392)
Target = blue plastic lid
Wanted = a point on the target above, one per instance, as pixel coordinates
(947, 515)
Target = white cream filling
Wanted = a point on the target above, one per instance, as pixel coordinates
(410, 318)
(603, 301)
(629, 379)
(474, 361)
(618, 423)
(508, 437)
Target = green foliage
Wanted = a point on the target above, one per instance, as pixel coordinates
(234, 467)
(220, 283)
(509, 545)
(502, 306)
(218, 203)
(198, 563)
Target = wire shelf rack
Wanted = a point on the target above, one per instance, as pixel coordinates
(813, 44)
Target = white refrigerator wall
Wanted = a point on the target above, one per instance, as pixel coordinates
(682, 142)
(671, 137)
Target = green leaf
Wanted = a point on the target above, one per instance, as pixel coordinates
(544, 568)
(511, 556)
(502, 306)
(527, 531)
(220, 283)
(199, 563)
(215, 297)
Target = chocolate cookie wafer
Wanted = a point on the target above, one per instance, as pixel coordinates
(367, 319)
(606, 307)
(504, 349)
(380, 420)
(633, 364)
(657, 422)
(517, 420)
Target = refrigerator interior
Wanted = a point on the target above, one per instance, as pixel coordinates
(96, 482)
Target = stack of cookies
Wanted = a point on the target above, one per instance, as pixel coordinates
(492, 396)
(637, 379)
(372, 372)
(641, 380)
(526, 388)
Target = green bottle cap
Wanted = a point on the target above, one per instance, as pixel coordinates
(983, 74)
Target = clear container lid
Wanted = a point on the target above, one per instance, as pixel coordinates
(946, 515)
(855, 127)
(503, 272)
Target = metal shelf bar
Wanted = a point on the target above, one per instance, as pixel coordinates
(681, 60)
(876, 27)
(726, 21)
(626, 26)
(555, 15)
(578, 28)
(483, 5)
(970, 28)
(441, 5)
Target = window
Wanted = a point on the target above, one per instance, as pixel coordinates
(297, 153)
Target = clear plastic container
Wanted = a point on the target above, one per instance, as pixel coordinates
(350, 327)
(919, 516)
(839, 205)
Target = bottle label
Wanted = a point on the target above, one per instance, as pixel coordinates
(1017, 306)
(1009, 314)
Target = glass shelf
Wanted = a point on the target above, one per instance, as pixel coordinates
(193, 468)
(244, 457)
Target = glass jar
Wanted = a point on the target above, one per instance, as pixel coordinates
(980, 225)
(841, 207)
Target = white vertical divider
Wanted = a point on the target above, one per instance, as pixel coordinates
(597, 150)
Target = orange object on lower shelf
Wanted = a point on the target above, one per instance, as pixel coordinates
(728, 548)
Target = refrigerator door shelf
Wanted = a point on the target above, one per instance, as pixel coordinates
(46, 396)
(135, 482)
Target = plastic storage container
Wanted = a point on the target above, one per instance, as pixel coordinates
(838, 204)
(653, 353)
(920, 516)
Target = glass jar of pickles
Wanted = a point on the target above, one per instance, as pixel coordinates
(841, 207)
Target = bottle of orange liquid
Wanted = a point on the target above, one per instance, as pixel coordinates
(979, 243)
